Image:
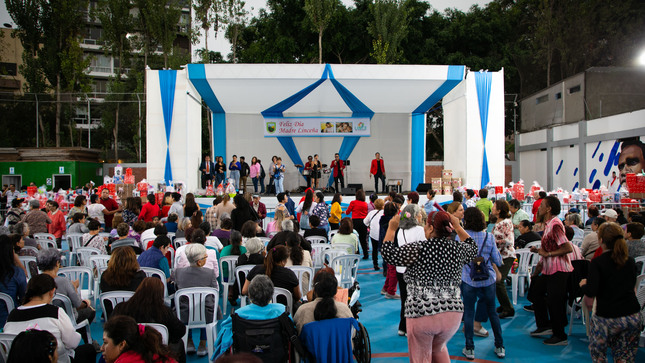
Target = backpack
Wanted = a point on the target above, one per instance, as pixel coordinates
(479, 266)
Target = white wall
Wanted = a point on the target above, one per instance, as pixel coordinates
(533, 167)
(564, 177)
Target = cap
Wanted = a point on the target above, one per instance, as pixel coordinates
(610, 213)
(574, 210)
(256, 196)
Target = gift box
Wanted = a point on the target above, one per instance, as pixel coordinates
(142, 188)
(447, 190)
(456, 183)
(436, 183)
(31, 191)
(446, 175)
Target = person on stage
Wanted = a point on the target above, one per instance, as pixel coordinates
(316, 167)
(234, 170)
(207, 167)
(220, 171)
(307, 171)
(377, 169)
(338, 166)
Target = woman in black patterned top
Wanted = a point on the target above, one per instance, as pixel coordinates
(433, 308)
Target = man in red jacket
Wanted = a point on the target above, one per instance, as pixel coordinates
(378, 170)
(338, 166)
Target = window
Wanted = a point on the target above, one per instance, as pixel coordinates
(558, 95)
(574, 89)
(541, 99)
(101, 63)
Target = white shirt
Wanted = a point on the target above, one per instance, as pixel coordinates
(148, 233)
(299, 207)
(405, 236)
(95, 211)
(11, 196)
(211, 261)
(372, 222)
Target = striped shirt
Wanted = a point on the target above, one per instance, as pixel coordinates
(552, 239)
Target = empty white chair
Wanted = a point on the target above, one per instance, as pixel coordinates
(346, 269)
(197, 317)
(331, 253)
(28, 262)
(305, 275)
(113, 297)
(240, 277)
(286, 294)
(228, 264)
(178, 242)
(524, 256)
(162, 329)
(317, 250)
(75, 240)
(5, 344)
(98, 264)
(85, 279)
(65, 303)
(83, 255)
(316, 239)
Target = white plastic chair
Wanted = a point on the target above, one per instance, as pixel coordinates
(317, 250)
(524, 256)
(197, 312)
(332, 233)
(144, 243)
(306, 281)
(5, 344)
(265, 240)
(278, 291)
(85, 279)
(316, 239)
(150, 272)
(162, 329)
(83, 255)
(229, 263)
(46, 243)
(8, 301)
(65, 303)
(26, 262)
(346, 246)
(346, 269)
(641, 259)
(240, 277)
(98, 264)
(75, 240)
(47, 236)
(536, 244)
(331, 253)
(114, 297)
(178, 242)
(30, 248)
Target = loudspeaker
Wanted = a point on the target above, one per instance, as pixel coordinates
(424, 187)
(348, 191)
(355, 186)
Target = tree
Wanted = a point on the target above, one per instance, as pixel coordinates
(320, 13)
(208, 14)
(388, 29)
(236, 17)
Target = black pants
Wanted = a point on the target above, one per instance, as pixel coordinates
(342, 183)
(375, 249)
(206, 178)
(548, 293)
(362, 235)
(403, 288)
(376, 179)
(334, 226)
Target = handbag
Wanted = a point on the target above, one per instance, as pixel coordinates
(479, 266)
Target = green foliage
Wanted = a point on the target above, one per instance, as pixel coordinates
(320, 13)
(390, 27)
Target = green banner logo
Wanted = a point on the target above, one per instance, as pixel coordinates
(270, 127)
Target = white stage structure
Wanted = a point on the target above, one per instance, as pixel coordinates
(296, 110)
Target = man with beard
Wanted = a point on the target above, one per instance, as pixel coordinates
(631, 159)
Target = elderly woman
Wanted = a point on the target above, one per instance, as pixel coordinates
(433, 308)
(260, 291)
(38, 310)
(410, 230)
(324, 306)
(480, 288)
(254, 254)
(199, 237)
(49, 262)
(574, 221)
(196, 275)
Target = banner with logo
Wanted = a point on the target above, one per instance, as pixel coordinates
(317, 126)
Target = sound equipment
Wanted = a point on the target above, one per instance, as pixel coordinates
(348, 191)
(424, 187)
(355, 186)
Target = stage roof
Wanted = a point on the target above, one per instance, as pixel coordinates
(322, 89)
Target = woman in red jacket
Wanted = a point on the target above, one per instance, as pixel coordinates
(358, 209)
(150, 209)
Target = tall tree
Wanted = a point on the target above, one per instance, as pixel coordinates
(236, 18)
(388, 29)
(320, 13)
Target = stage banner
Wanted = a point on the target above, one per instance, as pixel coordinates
(316, 126)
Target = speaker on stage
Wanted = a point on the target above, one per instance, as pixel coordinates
(355, 186)
(348, 191)
(424, 187)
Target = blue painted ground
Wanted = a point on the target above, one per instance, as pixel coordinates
(381, 317)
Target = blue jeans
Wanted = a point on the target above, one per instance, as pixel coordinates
(255, 184)
(486, 296)
(261, 185)
(279, 187)
(220, 178)
(235, 175)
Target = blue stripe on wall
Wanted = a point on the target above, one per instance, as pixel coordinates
(483, 81)
(197, 75)
(167, 83)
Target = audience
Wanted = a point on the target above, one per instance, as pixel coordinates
(13, 280)
(34, 345)
(274, 268)
(323, 306)
(126, 341)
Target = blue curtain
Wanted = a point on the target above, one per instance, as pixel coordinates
(167, 81)
(483, 82)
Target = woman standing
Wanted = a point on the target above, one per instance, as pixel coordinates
(358, 209)
(433, 309)
(611, 279)
(254, 173)
(475, 288)
(305, 208)
(321, 210)
(372, 222)
(505, 239)
(242, 213)
(316, 167)
(336, 211)
(278, 176)
(220, 171)
(234, 171)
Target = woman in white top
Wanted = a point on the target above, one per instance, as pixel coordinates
(305, 207)
(372, 222)
(346, 235)
(410, 230)
(39, 312)
(96, 210)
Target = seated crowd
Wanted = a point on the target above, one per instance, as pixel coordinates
(449, 262)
